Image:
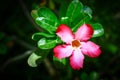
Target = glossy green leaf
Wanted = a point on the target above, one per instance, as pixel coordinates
(46, 24)
(37, 36)
(47, 20)
(81, 20)
(98, 30)
(65, 20)
(48, 14)
(32, 59)
(74, 9)
(44, 43)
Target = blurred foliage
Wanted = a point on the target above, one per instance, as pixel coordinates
(17, 27)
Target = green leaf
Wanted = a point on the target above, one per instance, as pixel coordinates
(74, 9)
(63, 8)
(87, 10)
(59, 63)
(80, 21)
(46, 24)
(37, 57)
(44, 43)
(65, 20)
(58, 40)
(34, 14)
(63, 61)
(47, 20)
(98, 30)
(47, 13)
(32, 59)
(37, 36)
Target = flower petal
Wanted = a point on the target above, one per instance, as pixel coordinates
(84, 33)
(65, 33)
(62, 51)
(76, 60)
(90, 49)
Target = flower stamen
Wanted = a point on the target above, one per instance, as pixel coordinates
(76, 43)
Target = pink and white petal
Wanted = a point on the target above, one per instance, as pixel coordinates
(65, 33)
(90, 49)
(62, 51)
(77, 59)
(84, 33)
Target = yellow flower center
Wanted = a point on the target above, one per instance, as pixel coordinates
(76, 44)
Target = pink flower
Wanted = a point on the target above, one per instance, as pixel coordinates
(76, 45)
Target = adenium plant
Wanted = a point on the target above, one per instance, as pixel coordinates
(67, 36)
(76, 45)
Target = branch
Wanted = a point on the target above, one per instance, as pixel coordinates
(27, 14)
(23, 43)
(16, 58)
(49, 67)
(21, 56)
